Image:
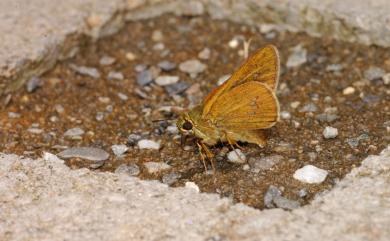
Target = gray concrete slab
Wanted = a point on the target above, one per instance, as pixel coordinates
(44, 200)
(35, 34)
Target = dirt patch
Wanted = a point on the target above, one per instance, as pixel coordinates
(333, 84)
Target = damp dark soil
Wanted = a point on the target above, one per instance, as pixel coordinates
(313, 95)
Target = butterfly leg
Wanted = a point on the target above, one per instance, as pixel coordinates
(201, 155)
(209, 155)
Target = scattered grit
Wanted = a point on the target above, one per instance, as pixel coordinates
(98, 109)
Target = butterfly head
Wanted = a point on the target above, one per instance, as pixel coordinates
(185, 124)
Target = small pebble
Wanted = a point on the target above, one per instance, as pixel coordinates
(191, 9)
(130, 56)
(128, 169)
(192, 66)
(236, 156)
(34, 130)
(192, 185)
(157, 36)
(310, 174)
(74, 132)
(326, 117)
(154, 167)
(295, 104)
(348, 91)
(87, 71)
(104, 99)
(158, 47)
(115, 75)
(170, 178)
(374, 73)
(119, 150)
(140, 67)
(96, 155)
(285, 115)
(14, 115)
(354, 142)
(166, 80)
(176, 88)
(99, 116)
(264, 163)
(233, 43)
(166, 65)
(302, 193)
(148, 144)
(173, 129)
(285, 203)
(122, 96)
(311, 107)
(297, 57)
(59, 108)
(33, 84)
(144, 77)
(204, 54)
(330, 132)
(386, 79)
(270, 195)
(106, 60)
(334, 67)
(132, 139)
(223, 79)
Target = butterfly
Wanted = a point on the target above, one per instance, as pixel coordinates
(239, 109)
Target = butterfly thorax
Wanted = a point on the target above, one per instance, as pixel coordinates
(192, 123)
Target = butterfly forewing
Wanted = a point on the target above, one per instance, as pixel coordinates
(248, 106)
(262, 66)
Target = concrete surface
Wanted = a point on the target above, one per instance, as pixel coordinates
(35, 34)
(44, 200)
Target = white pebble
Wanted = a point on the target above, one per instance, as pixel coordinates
(348, 91)
(233, 43)
(295, 104)
(192, 185)
(154, 167)
(310, 174)
(166, 80)
(173, 129)
(330, 132)
(285, 115)
(119, 150)
(386, 79)
(148, 144)
(236, 156)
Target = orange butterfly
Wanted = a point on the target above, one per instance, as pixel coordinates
(240, 108)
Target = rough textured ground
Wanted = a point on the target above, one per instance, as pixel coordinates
(316, 85)
(354, 210)
(45, 200)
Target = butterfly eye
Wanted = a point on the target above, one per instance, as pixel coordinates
(187, 126)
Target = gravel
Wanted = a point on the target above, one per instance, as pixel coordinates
(326, 117)
(192, 186)
(144, 77)
(170, 178)
(96, 156)
(148, 144)
(330, 132)
(176, 88)
(166, 65)
(166, 80)
(236, 156)
(119, 150)
(297, 57)
(204, 54)
(310, 174)
(87, 71)
(349, 90)
(373, 73)
(115, 75)
(192, 66)
(128, 169)
(155, 167)
(311, 107)
(74, 132)
(33, 84)
(132, 139)
(106, 60)
(264, 163)
(223, 79)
